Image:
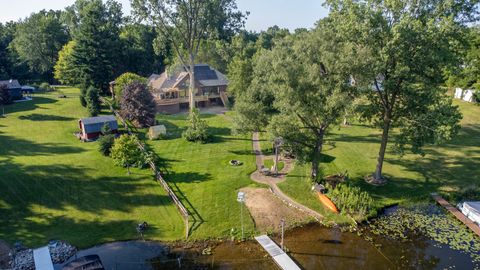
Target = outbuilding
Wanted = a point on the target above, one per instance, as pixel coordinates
(91, 127)
(14, 88)
(468, 95)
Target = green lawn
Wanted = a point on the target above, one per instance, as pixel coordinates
(201, 176)
(52, 186)
(269, 162)
(446, 168)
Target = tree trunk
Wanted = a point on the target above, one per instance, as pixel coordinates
(192, 91)
(317, 151)
(383, 146)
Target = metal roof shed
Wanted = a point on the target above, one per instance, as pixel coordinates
(91, 127)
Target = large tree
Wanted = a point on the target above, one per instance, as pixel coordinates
(466, 73)
(299, 90)
(409, 42)
(186, 24)
(97, 48)
(38, 39)
(64, 69)
(137, 105)
(138, 53)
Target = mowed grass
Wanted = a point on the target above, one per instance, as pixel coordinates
(445, 168)
(52, 186)
(203, 179)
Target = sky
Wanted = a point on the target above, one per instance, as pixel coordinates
(289, 14)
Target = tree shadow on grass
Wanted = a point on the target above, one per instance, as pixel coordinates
(188, 177)
(11, 146)
(56, 201)
(44, 117)
(28, 105)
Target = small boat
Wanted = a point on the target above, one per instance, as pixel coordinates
(471, 210)
(327, 202)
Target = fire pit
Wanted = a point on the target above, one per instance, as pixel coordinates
(235, 162)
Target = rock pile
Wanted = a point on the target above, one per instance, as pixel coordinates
(60, 251)
(23, 260)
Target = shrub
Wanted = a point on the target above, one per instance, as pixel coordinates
(351, 200)
(125, 152)
(93, 101)
(45, 87)
(197, 130)
(83, 93)
(105, 144)
(106, 129)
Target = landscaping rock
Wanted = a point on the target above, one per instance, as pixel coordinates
(60, 251)
(23, 260)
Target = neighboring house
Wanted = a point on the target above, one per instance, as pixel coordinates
(91, 127)
(14, 88)
(171, 91)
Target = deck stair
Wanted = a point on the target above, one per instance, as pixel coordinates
(224, 98)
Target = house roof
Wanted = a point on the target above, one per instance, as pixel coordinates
(11, 84)
(95, 124)
(98, 119)
(204, 74)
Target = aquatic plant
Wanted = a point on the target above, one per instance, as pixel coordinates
(431, 221)
(352, 201)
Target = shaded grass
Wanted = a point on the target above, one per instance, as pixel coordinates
(268, 163)
(445, 168)
(52, 186)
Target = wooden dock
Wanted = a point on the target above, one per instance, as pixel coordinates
(279, 256)
(459, 215)
(42, 259)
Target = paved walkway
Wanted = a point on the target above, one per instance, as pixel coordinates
(273, 181)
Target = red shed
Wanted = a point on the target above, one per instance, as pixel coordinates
(91, 127)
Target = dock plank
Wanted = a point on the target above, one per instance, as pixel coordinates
(279, 256)
(42, 259)
(459, 215)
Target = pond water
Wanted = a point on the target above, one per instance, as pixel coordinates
(312, 247)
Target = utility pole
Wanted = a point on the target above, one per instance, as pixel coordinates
(241, 200)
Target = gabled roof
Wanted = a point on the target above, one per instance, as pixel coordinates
(98, 119)
(95, 124)
(204, 74)
(11, 84)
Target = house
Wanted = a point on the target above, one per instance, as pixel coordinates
(171, 91)
(14, 88)
(91, 127)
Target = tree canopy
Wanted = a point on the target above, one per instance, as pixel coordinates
(186, 24)
(407, 45)
(137, 104)
(38, 39)
(97, 47)
(299, 90)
